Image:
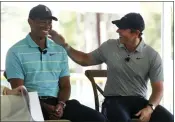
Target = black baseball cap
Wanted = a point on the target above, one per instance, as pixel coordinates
(131, 21)
(41, 12)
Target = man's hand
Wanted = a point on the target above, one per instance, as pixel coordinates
(55, 112)
(50, 108)
(57, 38)
(58, 113)
(16, 91)
(145, 114)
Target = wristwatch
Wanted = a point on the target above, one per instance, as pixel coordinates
(152, 106)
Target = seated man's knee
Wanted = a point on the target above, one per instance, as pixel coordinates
(73, 102)
(161, 115)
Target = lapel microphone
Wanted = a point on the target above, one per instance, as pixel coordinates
(42, 51)
(127, 59)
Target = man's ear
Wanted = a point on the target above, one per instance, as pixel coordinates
(137, 32)
(30, 22)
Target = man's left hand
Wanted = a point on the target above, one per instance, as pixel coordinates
(145, 114)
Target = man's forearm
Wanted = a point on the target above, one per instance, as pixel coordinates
(155, 97)
(64, 94)
(15, 82)
(77, 56)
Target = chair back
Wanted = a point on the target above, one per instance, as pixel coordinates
(91, 74)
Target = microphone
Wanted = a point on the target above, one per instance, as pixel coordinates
(127, 59)
(138, 58)
(42, 51)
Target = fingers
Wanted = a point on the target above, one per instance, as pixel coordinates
(141, 118)
(50, 37)
(52, 32)
(21, 89)
(144, 118)
(58, 113)
(59, 109)
(53, 117)
(16, 91)
(56, 116)
(138, 114)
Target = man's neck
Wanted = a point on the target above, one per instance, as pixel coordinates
(131, 47)
(41, 42)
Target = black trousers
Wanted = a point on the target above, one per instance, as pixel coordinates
(123, 108)
(75, 112)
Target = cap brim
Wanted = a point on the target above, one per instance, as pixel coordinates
(54, 18)
(120, 24)
(116, 22)
(50, 17)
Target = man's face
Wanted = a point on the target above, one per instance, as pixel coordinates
(126, 36)
(41, 27)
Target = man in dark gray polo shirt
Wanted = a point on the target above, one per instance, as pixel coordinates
(130, 64)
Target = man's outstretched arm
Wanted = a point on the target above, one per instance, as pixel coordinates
(84, 59)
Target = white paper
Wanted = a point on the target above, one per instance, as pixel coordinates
(14, 108)
(35, 107)
(21, 108)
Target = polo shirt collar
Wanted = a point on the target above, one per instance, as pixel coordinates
(138, 49)
(31, 43)
(140, 46)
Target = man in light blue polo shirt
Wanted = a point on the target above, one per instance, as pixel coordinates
(41, 65)
(130, 64)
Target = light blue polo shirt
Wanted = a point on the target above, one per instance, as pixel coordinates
(40, 72)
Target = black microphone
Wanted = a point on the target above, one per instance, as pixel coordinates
(127, 59)
(42, 51)
(138, 58)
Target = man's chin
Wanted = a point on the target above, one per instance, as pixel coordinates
(121, 40)
(43, 35)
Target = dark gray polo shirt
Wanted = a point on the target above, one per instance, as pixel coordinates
(128, 78)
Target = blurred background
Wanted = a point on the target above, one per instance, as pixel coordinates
(85, 25)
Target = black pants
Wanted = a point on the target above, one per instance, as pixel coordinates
(122, 109)
(75, 112)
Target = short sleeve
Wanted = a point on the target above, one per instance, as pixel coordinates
(98, 55)
(64, 65)
(156, 69)
(13, 66)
